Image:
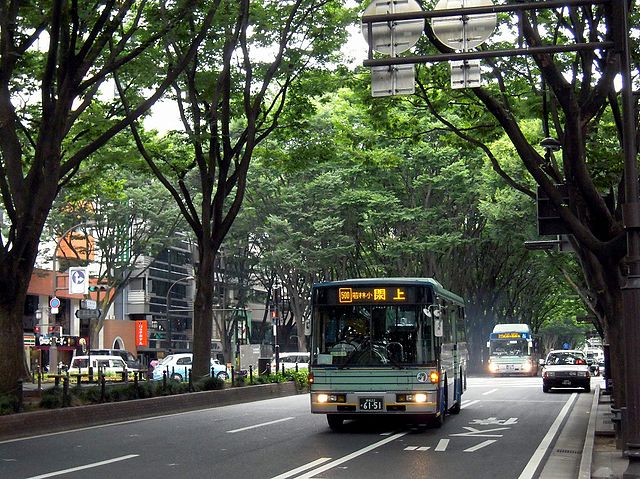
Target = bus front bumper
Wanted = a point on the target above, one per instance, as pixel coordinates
(419, 402)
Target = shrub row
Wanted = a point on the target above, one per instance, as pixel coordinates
(56, 397)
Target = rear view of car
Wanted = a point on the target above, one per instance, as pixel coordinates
(566, 369)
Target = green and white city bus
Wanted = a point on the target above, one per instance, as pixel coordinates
(392, 346)
(512, 350)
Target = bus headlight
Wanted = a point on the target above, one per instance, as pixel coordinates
(420, 397)
(493, 367)
(526, 366)
(412, 397)
(330, 398)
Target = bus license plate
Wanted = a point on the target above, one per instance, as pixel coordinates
(370, 404)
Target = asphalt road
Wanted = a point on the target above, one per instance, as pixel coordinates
(505, 430)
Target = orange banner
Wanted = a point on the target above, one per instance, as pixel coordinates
(142, 338)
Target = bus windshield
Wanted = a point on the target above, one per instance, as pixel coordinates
(509, 347)
(372, 335)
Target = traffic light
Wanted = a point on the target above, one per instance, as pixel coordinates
(98, 287)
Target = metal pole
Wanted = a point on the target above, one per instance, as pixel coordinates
(167, 303)
(276, 293)
(631, 289)
(53, 350)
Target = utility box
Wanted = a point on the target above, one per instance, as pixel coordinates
(249, 355)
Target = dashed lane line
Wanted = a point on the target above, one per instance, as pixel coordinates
(86, 466)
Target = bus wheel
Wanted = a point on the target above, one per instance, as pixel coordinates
(456, 407)
(437, 422)
(335, 422)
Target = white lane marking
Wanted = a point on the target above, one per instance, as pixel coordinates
(295, 471)
(442, 445)
(417, 448)
(260, 425)
(489, 392)
(87, 466)
(111, 424)
(537, 457)
(480, 446)
(348, 457)
(473, 432)
(470, 403)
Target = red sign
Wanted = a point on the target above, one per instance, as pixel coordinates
(142, 338)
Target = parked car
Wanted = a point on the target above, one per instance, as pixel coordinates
(178, 367)
(565, 369)
(290, 360)
(129, 358)
(99, 362)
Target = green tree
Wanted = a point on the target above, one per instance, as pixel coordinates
(54, 58)
(572, 96)
(230, 99)
(359, 189)
(132, 215)
(554, 334)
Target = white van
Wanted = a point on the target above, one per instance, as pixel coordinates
(290, 360)
(100, 363)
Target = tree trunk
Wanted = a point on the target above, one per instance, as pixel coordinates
(11, 343)
(14, 281)
(202, 312)
(16, 269)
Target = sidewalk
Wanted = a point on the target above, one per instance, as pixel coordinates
(607, 461)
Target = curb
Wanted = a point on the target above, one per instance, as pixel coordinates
(584, 472)
(15, 426)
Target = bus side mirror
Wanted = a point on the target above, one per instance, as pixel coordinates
(438, 327)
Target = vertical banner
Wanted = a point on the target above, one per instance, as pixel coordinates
(142, 338)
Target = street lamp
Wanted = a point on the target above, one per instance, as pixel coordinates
(53, 350)
(168, 304)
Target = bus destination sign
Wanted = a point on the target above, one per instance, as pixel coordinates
(371, 295)
(512, 335)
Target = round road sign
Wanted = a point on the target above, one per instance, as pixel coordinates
(397, 36)
(463, 33)
(54, 302)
